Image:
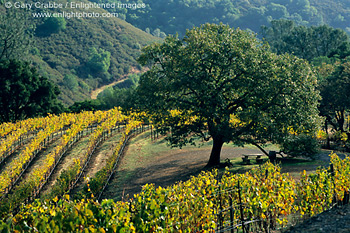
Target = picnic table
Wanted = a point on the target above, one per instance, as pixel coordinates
(258, 158)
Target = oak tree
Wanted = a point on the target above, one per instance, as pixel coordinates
(224, 84)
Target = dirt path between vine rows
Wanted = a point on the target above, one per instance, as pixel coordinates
(98, 160)
(77, 151)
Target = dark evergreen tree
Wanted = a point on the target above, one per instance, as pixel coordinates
(24, 93)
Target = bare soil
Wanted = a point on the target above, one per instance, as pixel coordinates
(335, 220)
(67, 161)
(98, 160)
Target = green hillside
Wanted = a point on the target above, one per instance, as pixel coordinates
(176, 16)
(82, 54)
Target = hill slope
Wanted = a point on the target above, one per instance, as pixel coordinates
(176, 16)
(87, 52)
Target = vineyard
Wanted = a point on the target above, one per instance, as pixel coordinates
(46, 185)
(32, 150)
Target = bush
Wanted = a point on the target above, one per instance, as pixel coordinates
(70, 81)
(99, 61)
(300, 145)
(51, 25)
(125, 84)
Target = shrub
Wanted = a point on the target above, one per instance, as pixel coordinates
(300, 145)
(99, 61)
(51, 25)
(70, 81)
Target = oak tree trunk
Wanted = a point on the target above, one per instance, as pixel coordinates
(215, 152)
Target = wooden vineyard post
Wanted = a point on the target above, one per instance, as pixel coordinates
(241, 207)
(331, 166)
(220, 217)
(151, 133)
(231, 214)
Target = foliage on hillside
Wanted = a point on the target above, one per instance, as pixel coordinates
(308, 43)
(121, 94)
(13, 22)
(67, 50)
(177, 16)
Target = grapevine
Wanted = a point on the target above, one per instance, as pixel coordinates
(263, 194)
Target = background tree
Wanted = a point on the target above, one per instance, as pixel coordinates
(334, 85)
(116, 97)
(222, 83)
(24, 93)
(120, 95)
(305, 42)
(87, 105)
(51, 25)
(70, 81)
(16, 34)
(99, 62)
(335, 91)
(276, 33)
(342, 51)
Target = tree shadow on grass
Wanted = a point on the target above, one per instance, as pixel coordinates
(126, 183)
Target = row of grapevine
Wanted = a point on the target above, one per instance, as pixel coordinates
(30, 188)
(13, 134)
(320, 190)
(264, 194)
(7, 128)
(70, 177)
(99, 136)
(18, 165)
(70, 216)
(267, 194)
(99, 182)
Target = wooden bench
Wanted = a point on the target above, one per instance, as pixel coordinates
(246, 159)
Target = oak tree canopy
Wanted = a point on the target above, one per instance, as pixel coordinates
(224, 84)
